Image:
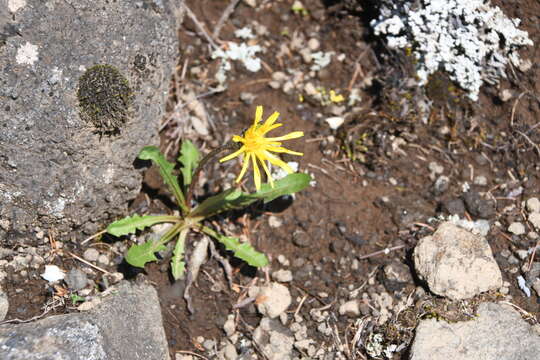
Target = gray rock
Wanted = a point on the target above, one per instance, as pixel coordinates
(274, 340)
(477, 206)
(126, 325)
(456, 263)
(498, 332)
(57, 169)
(275, 299)
(76, 279)
(396, 276)
(350, 308)
(4, 305)
(91, 254)
(301, 239)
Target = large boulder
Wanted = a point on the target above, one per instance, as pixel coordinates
(126, 324)
(498, 332)
(71, 130)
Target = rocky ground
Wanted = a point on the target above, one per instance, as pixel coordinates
(416, 240)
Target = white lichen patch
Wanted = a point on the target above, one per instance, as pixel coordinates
(470, 40)
(238, 52)
(27, 54)
(14, 5)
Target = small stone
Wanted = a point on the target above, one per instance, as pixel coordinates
(435, 168)
(288, 87)
(76, 279)
(350, 308)
(441, 185)
(301, 239)
(274, 221)
(279, 76)
(505, 95)
(313, 44)
(517, 228)
(4, 305)
(230, 326)
(247, 97)
(310, 89)
(209, 344)
(534, 219)
(229, 352)
(272, 299)
(282, 275)
(335, 122)
(283, 260)
(91, 255)
(274, 84)
(252, 3)
(533, 205)
(103, 259)
(480, 180)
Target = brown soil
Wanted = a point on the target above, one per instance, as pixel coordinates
(378, 195)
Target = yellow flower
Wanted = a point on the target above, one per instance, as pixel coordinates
(335, 97)
(257, 148)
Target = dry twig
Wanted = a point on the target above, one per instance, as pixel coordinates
(224, 17)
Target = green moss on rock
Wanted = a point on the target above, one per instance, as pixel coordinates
(104, 98)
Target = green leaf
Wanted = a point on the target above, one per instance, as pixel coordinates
(223, 201)
(130, 224)
(76, 298)
(235, 199)
(166, 171)
(290, 184)
(139, 255)
(189, 157)
(242, 251)
(178, 266)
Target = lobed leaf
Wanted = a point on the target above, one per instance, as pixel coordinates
(139, 255)
(166, 171)
(242, 251)
(189, 157)
(131, 224)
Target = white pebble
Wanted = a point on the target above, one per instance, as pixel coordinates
(282, 275)
(533, 205)
(517, 228)
(274, 221)
(53, 273)
(534, 219)
(350, 308)
(313, 44)
(335, 122)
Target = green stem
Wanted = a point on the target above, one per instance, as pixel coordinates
(228, 146)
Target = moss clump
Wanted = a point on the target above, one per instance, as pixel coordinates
(104, 98)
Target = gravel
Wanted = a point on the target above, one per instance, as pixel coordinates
(91, 255)
(76, 279)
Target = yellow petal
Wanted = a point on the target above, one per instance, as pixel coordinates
(291, 135)
(256, 173)
(258, 115)
(244, 167)
(271, 119)
(266, 128)
(284, 151)
(233, 155)
(276, 161)
(268, 175)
